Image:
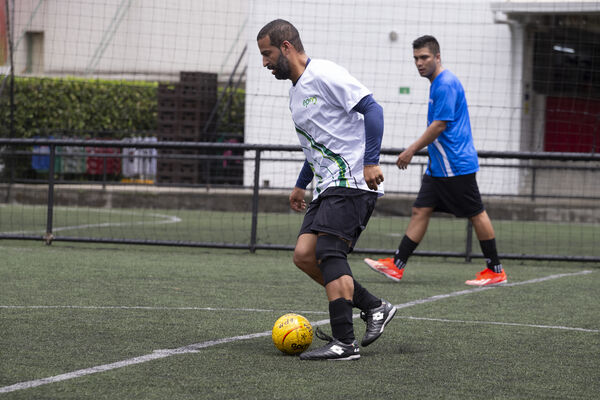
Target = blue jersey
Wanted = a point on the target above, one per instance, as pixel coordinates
(453, 152)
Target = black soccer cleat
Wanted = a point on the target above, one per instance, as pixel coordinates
(376, 318)
(334, 350)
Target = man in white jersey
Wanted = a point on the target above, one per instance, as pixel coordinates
(449, 183)
(340, 127)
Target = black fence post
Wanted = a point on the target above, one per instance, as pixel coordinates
(10, 31)
(255, 193)
(469, 244)
(533, 176)
(104, 161)
(12, 163)
(48, 236)
(207, 172)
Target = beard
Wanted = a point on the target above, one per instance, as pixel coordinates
(282, 68)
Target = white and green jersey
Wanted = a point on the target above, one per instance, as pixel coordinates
(331, 134)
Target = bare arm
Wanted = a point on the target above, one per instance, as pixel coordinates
(431, 133)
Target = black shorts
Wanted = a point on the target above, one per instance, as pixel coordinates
(457, 195)
(340, 211)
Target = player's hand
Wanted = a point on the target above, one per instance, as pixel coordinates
(404, 158)
(373, 176)
(297, 202)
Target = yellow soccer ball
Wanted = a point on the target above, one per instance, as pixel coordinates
(292, 333)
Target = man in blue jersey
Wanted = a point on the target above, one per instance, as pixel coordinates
(449, 183)
(340, 127)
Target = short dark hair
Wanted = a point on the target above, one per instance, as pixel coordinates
(280, 30)
(427, 41)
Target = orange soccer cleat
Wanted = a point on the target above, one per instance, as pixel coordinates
(488, 277)
(386, 267)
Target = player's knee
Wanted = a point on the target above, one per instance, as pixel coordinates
(332, 253)
(302, 257)
(419, 212)
(331, 246)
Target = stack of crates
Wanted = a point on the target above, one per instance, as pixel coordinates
(184, 109)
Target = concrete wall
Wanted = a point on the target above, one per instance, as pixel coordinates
(512, 209)
(133, 39)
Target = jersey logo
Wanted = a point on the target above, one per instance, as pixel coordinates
(309, 100)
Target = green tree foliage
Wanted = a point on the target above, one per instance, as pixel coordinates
(86, 108)
(79, 108)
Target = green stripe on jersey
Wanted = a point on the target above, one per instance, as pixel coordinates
(330, 155)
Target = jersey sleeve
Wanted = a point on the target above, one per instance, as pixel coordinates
(342, 88)
(305, 177)
(373, 116)
(444, 102)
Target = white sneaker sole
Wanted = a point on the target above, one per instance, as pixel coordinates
(484, 282)
(389, 318)
(350, 358)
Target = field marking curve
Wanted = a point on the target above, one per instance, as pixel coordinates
(166, 219)
(194, 348)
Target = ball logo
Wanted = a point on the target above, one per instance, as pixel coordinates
(302, 347)
(309, 100)
(292, 333)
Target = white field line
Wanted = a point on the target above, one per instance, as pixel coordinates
(459, 321)
(194, 348)
(490, 287)
(166, 219)
(152, 308)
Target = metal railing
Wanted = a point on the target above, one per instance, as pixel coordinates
(8, 144)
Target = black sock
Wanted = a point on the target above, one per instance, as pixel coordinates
(363, 299)
(340, 318)
(405, 250)
(488, 248)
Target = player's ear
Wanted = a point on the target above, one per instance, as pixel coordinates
(286, 47)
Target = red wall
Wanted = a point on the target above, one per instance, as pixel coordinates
(572, 125)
